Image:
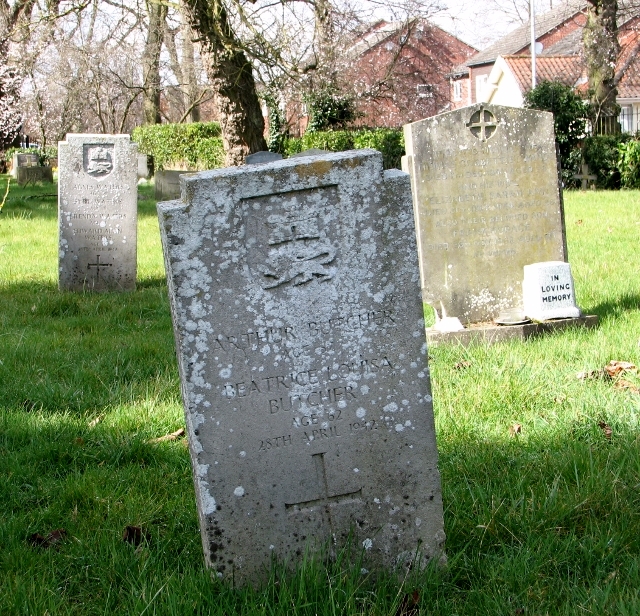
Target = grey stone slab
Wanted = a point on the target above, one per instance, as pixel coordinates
(97, 212)
(309, 152)
(489, 333)
(143, 167)
(23, 159)
(487, 199)
(298, 318)
(548, 291)
(262, 157)
(167, 184)
(31, 175)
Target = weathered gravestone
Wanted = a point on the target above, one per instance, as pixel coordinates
(167, 183)
(487, 199)
(262, 157)
(23, 159)
(97, 212)
(548, 291)
(309, 152)
(26, 169)
(296, 304)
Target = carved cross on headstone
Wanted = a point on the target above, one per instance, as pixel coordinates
(98, 265)
(482, 124)
(585, 176)
(326, 499)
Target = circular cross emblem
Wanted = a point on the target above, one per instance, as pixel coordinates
(482, 124)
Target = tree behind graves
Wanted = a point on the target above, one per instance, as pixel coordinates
(601, 50)
(569, 119)
(231, 75)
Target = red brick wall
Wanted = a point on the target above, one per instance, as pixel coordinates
(415, 73)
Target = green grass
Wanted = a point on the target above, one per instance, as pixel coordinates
(546, 521)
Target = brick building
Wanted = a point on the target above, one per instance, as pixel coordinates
(502, 73)
(398, 72)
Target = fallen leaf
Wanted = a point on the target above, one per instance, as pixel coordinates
(462, 364)
(79, 441)
(135, 535)
(628, 385)
(409, 604)
(606, 429)
(516, 428)
(168, 437)
(50, 540)
(616, 368)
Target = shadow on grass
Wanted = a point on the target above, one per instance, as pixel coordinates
(533, 527)
(80, 352)
(623, 303)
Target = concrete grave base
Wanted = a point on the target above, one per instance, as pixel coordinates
(31, 175)
(167, 183)
(489, 333)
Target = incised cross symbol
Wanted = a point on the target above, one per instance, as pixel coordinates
(482, 124)
(98, 265)
(326, 499)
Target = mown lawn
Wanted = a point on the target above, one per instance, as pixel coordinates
(540, 469)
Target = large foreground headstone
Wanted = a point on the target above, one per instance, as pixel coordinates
(296, 303)
(97, 212)
(487, 200)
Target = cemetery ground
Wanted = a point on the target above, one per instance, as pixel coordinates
(539, 449)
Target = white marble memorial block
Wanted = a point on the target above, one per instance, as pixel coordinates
(297, 312)
(97, 212)
(548, 291)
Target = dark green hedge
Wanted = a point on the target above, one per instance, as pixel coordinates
(389, 141)
(601, 153)
(197, 145)
(629, 163)
(45, 155)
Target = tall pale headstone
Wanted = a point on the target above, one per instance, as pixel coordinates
(487, 201)
(295, 297)
(97, 212)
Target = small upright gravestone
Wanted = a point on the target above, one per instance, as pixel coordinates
(26, 169)
(24, 159)
(97, 213)
(486, 194)
(548, 291)
(295, 298)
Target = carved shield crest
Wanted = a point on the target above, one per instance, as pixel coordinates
(290, 247)
(98, 159)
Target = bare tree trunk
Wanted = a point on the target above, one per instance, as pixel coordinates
(601, 49)
(191, 87)
(151, 61)
(231, 76)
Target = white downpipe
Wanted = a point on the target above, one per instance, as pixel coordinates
(532, 21)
